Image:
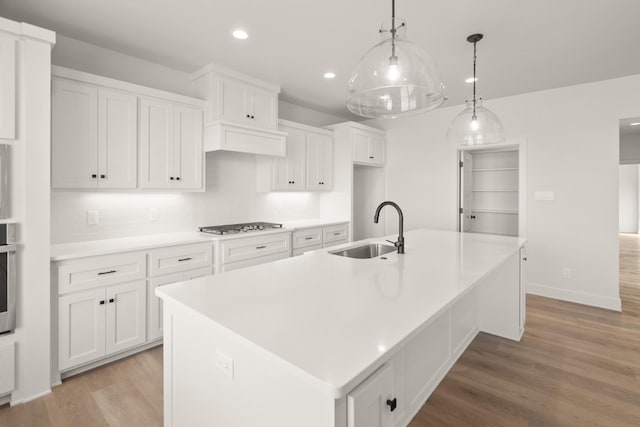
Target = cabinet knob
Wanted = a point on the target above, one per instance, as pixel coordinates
(371, 157)
(392, 404)
(94, 176)
(111, 300)
(103, 176)
(177, 178)
(252, 117)
(171, 178)
(248, 116)
(472, 217)
(102, 302)
(524, 259)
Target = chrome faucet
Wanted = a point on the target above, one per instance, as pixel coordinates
(400, 243)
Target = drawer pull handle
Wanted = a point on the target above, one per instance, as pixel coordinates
(308, 238)
(102, 273)
(260, 247)
(337, 233)
(392, 404)
(185, 259)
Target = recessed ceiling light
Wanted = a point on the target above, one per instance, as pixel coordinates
(471, 80)
(634, 124)
(240, 34)
(329, 75)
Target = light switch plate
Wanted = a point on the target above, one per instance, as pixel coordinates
(544, 195)
(93, 218)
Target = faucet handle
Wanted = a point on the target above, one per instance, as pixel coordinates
(393, 243)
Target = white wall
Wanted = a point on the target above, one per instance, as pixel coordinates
(629, 189)
(296, 113)
(93, 59)
(368, 193)
(573, 149)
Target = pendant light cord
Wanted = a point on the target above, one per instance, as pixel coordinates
(474, 80)
(393, 28)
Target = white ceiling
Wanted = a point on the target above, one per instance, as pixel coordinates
(529, 45)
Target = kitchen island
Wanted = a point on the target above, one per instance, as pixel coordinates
(323, 340)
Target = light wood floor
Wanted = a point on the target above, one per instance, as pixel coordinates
(576, 366)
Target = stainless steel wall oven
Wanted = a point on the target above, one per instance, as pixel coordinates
(7, 278)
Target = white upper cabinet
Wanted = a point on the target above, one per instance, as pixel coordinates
(368, 147)
(74, 135)
(7, 86)
(308, 165)
(108, 134)
(156, 144)
(170, 145)
(289, 172)
(94, 137)
(117, 139)
(319, 162)
(241, 113)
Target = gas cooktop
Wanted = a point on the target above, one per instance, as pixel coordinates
(239, 228)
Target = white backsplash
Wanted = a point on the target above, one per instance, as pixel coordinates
(230, 197)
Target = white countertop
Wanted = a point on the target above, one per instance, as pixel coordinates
(332, 317)
(65, 251)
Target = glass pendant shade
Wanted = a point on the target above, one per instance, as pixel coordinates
(485, 128)
(394, 78)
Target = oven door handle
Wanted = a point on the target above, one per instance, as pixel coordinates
(7, 248)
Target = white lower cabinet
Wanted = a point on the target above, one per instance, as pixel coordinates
(372, 403)
(155, 313)
(100, 322)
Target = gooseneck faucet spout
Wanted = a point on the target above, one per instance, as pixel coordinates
(400, 243)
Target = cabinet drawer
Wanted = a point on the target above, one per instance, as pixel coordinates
(247, 248)
(307, 237)
(335, 233)
(253, 261)
(179, 258)
(100, 271)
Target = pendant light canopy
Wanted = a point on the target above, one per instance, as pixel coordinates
(475, 125)
(394, 78)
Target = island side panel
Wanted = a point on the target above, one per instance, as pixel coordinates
(260, 392)
(500, 297)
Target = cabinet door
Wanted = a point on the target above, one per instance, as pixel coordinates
(117, 139)
(8, 86)
(126, 316)
(376, 149)
(319, 162)
(155, 313)
(156, 144)
(188, 152)
(74, 135)
(264, 111)
(81, 328)
(289, 171)
(371, 403)
(360, 145)
(234, 97)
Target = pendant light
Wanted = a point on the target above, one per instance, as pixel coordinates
(475, 125)
(394, 78)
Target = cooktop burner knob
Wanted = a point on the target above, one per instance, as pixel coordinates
(260, 227)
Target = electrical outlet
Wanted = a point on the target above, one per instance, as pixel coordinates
(567, 273)
(224, 363)
(153, 214)
(93, 218)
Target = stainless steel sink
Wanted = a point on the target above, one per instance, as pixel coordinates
(370, 250)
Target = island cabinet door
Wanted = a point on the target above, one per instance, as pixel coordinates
(126, 316)
(372, 403)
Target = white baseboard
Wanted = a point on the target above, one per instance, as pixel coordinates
(30, 398)
(609, 303)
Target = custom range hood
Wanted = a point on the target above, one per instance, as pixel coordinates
(241, 113)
